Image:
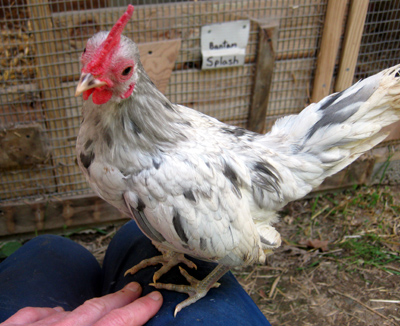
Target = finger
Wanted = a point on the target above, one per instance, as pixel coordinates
(54, 319)
(92, 310)
(136, 313)
(29, 315)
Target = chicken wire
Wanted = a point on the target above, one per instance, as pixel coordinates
(380, 43)
(42, 41)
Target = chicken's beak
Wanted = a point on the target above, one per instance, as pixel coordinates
(87, 81)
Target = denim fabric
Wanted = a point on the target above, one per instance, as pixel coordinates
(50, 271)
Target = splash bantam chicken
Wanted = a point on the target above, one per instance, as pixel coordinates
(200, 187)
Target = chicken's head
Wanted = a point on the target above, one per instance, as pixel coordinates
(109, 64)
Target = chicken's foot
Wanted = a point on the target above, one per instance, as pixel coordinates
(168, 259)
(197, 289)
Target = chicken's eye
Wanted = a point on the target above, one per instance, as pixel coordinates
(126, 71)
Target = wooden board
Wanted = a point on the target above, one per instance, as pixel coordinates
(263, 77)
(329, 48)
(158, 59)
(23, 145)
(55, 213)
(351, 44)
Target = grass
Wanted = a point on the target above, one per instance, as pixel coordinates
(383, 168)
(369, 250)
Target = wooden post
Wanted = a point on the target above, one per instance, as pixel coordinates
(351, 44)
(50, 87)
(264, 70)
(329, 49)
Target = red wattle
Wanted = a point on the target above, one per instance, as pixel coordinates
(86, 94)
(101, 96)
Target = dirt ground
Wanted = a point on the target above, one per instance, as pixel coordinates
(339, 263)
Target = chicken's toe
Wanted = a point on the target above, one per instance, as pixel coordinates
(168, 259)
(197, 289)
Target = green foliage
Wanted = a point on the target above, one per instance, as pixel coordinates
(314, 205)
(9, 248)
(369, 250)
(367, 200)
(384, 166)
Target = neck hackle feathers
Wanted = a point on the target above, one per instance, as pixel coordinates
(96, 66)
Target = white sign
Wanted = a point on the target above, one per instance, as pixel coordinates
(224, 45)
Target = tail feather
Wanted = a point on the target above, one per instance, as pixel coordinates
(333, 133)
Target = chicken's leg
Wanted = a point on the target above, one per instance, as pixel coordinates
(168, 259)
(197, 289)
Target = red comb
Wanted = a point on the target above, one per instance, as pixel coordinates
(110, 43)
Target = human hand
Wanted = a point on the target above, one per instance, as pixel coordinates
(121, 308)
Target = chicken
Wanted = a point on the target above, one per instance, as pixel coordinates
(197, 186)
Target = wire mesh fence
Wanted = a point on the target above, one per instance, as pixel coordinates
(39, 62)
(380, 44)
(380, 47)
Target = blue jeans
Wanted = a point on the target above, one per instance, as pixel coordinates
(50, 271)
